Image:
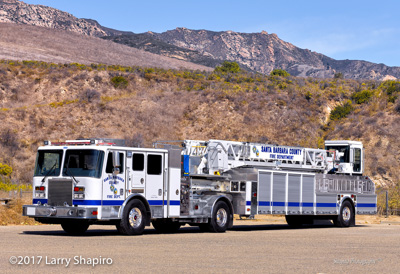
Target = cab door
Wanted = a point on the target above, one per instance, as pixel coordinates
(155, 182)
(137, 172)
(146, 177)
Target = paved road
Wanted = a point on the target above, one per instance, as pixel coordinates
(253, 247)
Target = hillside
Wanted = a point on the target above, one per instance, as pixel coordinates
(40, 101)
(25, 42)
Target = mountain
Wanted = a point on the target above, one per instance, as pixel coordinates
(261, 52)
(14, 11)
(148, 42)
(25, 42)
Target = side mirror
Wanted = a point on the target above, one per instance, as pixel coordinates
(116, 162)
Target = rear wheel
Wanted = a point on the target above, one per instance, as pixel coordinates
(220, 218)
(133, 219)
(75, 227)
(166, 225)
(346, 215)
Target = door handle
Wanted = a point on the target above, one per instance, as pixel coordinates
(159, 192)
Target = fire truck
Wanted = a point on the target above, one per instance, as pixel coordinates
(78, 183)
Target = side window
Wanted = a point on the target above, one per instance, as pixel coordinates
(154, 164)
(137, 161)
(357, 160)
(109, 167)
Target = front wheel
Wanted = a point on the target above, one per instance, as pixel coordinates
(75, 227)
(133, 219)
(220, 217)
(346, 215)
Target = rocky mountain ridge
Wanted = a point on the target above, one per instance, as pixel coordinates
(14, 11)
(260, 52)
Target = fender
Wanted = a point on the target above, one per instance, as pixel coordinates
(143, 200)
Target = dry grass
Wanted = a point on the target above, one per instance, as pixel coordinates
(24, 42)
(11, 213)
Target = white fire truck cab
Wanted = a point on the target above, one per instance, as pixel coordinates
(201, 183)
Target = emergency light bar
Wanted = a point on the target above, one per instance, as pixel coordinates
(99, 142)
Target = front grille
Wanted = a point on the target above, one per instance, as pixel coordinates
(60, 192)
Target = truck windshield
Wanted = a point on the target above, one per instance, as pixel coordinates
(83, 163)
(48, 163)
(343, 150)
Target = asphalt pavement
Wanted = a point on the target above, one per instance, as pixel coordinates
(250, 247)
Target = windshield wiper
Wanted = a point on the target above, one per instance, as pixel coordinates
(48, 173)
(70, 173)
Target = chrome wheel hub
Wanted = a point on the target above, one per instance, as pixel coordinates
(135, 217)
(346, 214)
(222, 217)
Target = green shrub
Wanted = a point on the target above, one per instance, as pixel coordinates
(362, 96)
(338, 75)
(279, 72)
(227, 66)
(5, 170)
(390, 87)
(308, 95)
(119, 82)
(341, 111)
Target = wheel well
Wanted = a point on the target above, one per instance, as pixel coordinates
(145, 203)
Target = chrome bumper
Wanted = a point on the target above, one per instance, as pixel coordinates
(60, 212)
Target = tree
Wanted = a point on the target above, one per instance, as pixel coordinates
(279, 72)
(227, 66)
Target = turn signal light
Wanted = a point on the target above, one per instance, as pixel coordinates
(79, 189)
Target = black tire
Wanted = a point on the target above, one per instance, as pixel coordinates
(166, 226)
(294, 221)
(346, 215)
(133, 219)
(220, 218)
(75, 227)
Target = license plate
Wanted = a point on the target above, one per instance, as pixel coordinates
(30, 211)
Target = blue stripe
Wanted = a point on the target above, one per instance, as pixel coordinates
(42, 201)
(86, 202)
(278, 203)
(261, 203)
(248, 203)
(155, 202)
(326, 204)
(366, 205)
(293, 204)
(307, 205)
(112, 202)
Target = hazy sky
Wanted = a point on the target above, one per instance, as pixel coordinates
(358, 30)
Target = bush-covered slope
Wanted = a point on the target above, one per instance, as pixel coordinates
(43, 101)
